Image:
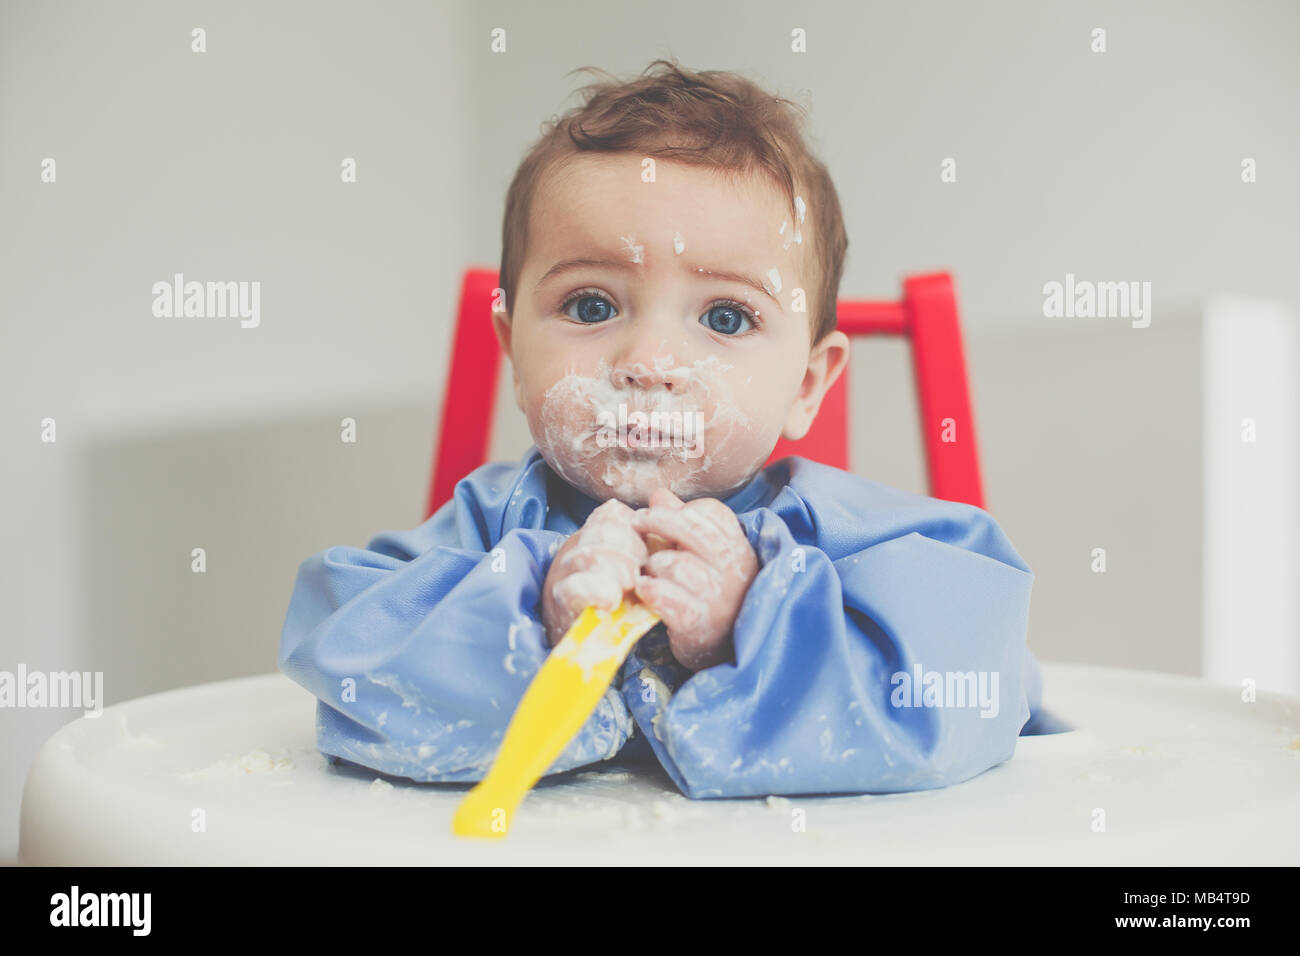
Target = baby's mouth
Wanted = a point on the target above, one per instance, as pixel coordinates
(647, 438)
(652, 432)
(643, 446)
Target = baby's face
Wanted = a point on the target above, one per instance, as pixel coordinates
(654, 335)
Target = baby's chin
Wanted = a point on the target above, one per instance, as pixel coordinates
(632, 475)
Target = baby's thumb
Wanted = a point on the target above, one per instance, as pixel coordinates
(663, 498)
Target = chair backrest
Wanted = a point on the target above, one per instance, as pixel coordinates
(926, 316)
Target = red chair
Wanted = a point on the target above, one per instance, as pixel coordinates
(927, 315)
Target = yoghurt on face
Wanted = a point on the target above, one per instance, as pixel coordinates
(613, 438)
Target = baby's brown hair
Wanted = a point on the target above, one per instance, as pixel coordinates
(725, 122)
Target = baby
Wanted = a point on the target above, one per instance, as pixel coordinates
(671, 259)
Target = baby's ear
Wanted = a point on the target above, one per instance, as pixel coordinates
(826, 361)
(501, 326)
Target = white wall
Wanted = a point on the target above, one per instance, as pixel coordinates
(1252, 476)
(176, 433)
(223, 166)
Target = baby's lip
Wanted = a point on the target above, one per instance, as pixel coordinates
(660, 414)
(649, 440)
(654, 429)
(646, 437)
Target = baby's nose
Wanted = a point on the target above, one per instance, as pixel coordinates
(648, 374)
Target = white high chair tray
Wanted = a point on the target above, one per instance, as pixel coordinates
(1184, 771)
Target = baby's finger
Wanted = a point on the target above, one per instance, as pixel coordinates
(686, 617)
(610, 508)
(663, 498)
(687, 570)
(736, 553)
(615, 534)
(587, 589)
(683, 527)
(723, 517)
(681, 611)
(620, 565)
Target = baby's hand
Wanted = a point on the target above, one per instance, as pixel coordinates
(597, 563)
(698, 585)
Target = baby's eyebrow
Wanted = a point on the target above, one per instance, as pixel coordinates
(587, 262)
(583, 262)
(741, 278)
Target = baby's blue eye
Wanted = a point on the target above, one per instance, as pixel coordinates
(591, 308)
(726, 319)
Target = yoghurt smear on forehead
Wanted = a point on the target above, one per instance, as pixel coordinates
(702, 442)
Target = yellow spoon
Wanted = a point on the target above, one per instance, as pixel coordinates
(563, 694)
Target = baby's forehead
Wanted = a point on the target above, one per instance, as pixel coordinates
(590, 176)
(716, 220)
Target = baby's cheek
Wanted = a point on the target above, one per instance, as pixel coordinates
(563, 423)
